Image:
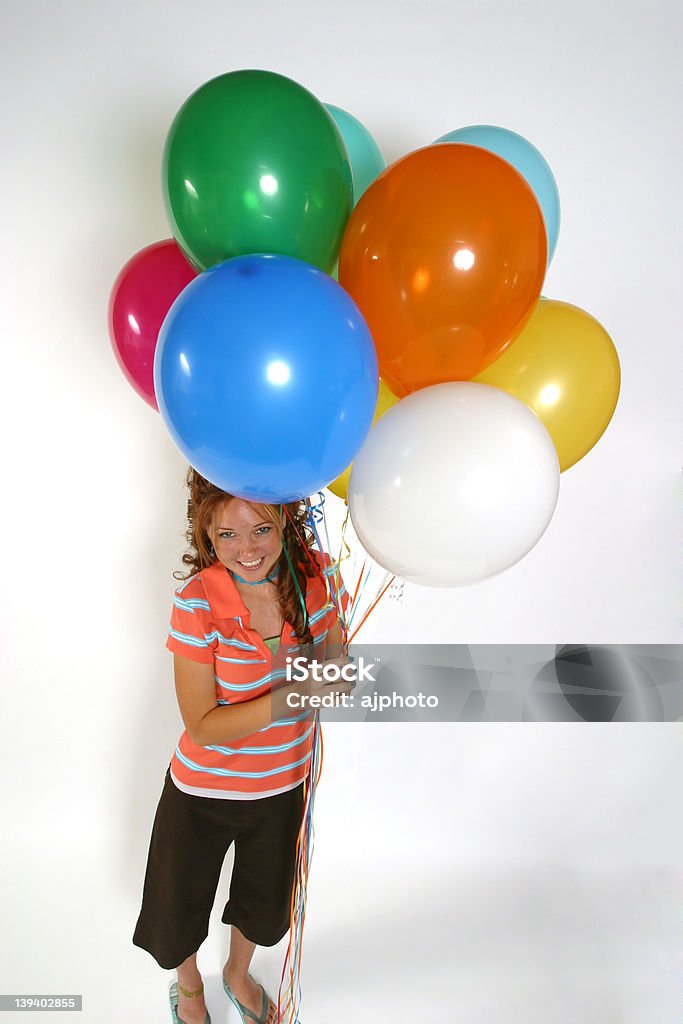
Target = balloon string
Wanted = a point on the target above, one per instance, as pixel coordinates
(359, 593)
(289, 1001)
(344, 547)
(308, 554)
(334, 571)
(372, 606)
(344, 554)
(289, 993)
(303, 543)
(355, 593)
(332, 593)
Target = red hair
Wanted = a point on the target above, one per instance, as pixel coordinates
(296, 536)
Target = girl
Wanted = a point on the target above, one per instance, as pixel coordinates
(255, 593)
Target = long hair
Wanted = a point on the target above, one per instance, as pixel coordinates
(296, 536)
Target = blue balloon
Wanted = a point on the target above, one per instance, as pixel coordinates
(266, 376)
(526, 159)
(365, 155)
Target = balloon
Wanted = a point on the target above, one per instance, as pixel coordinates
(563, 366)
(254, 163)
(364, 153)
(385, 400)
(266, 377)
(445, 255)
(527, 160)
(140, 299)
(453, 485)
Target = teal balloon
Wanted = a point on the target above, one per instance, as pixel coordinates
(526, 159)
(365, 155)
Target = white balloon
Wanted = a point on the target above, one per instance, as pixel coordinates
(454, 484)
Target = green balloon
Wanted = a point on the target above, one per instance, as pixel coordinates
(255, 163)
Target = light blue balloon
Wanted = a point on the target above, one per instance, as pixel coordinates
(365, 155)
(526, 159)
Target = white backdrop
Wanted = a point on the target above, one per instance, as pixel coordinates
(486, 872)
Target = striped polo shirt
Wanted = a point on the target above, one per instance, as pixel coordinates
(210, 623)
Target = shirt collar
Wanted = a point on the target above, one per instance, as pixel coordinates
(224, 597)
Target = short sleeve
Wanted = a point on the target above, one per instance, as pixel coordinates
(191, 631)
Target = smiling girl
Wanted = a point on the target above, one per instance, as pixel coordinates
(256, 592)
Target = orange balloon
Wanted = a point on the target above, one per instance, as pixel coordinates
(445, 255)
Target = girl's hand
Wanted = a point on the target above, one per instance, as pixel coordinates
(335, 675)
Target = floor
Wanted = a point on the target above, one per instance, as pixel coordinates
(505, 944)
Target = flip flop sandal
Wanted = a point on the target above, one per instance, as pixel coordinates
(173, 1000)
(244, 1011)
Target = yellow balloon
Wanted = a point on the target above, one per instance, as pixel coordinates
(564, 366)
(385, 400)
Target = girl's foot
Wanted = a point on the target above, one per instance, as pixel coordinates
(247, 992)
(191, 1005)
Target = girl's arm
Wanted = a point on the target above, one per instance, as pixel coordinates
(209, 723)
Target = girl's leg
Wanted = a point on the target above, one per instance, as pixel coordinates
(236, 975)
(191, 1005)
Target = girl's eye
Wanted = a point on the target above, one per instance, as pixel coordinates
(226, 535)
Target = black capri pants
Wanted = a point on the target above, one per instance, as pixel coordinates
(190, 838)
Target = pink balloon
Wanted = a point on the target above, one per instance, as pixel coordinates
(142, 295)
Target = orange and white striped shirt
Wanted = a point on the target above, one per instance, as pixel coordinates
(210, 623)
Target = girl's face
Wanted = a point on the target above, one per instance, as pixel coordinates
(245, 539)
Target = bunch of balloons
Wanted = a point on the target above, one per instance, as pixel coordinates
(266, 370)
